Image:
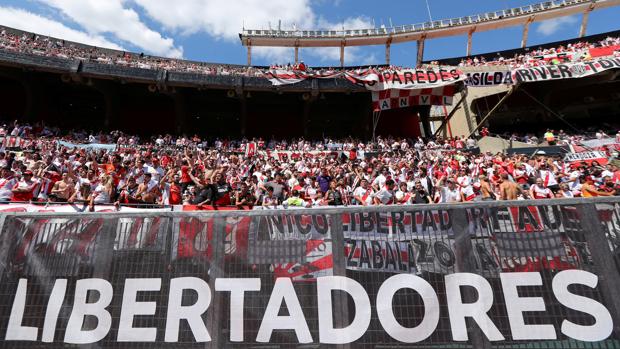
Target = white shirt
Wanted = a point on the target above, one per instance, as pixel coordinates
(385, 196)
(6, 187)
(380, 181)
(548, 177)
(156, 172)
(361, 192)
(102, 195)
(468, 193)
(540, 192)
(449, 195)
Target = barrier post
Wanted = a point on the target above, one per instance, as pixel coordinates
(465, 263)
(341, 305)
(216, 270)
(603, 259)
(5, 244)
(103, 258)
(104, 249)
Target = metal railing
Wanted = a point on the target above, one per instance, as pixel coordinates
(294, 249)
(418, 27)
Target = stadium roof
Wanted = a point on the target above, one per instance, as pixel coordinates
(466, 25)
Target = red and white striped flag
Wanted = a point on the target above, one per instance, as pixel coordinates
(393, 99)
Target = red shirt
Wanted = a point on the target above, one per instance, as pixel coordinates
(175, 195)
(24, 196)
(165, 161)
(185, 174)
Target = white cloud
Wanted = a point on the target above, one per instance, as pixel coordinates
(110, 16)
(551, 26)
(352, 54)
(225, 19)
(28, 21)
(119, 20)
(276, 55)
(350, 23)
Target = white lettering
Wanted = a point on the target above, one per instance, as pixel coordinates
(515, 306)
(283, 291)
(237, 289)
(191, 313)
(54, 304)
(386, 313)
(15, 331)
(476, 310)
(90, 320)
(603, 325)
(131, 307)
(74, 333)
(327, 333)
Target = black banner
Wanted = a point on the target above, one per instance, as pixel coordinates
(411, 276)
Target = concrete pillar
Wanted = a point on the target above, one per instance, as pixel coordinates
(425, 113)
(471, 123)
(249, 54)
(420, 56)
(296, 54)
(342, 54)
(388, 45)
(526, 31)
(469, 40)
(584, 23)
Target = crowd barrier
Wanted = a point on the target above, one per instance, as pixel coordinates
(523, 274)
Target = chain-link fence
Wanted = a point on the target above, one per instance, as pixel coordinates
(486, 275)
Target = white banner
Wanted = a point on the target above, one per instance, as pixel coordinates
(489, 78)
(408, 79)
(564, 71)
(412, 79)
(585, 156)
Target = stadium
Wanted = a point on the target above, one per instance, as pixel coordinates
(460, 202)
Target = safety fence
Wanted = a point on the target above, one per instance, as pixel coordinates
(524, 274)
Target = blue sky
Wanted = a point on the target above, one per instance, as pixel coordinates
(206, 30)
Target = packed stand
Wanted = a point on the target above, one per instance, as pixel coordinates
(575, 52)
(245, 174)
(44, 46)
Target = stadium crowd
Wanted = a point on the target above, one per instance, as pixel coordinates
(45, 46)
(41, 45)
(165, 170)
(574, 52)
